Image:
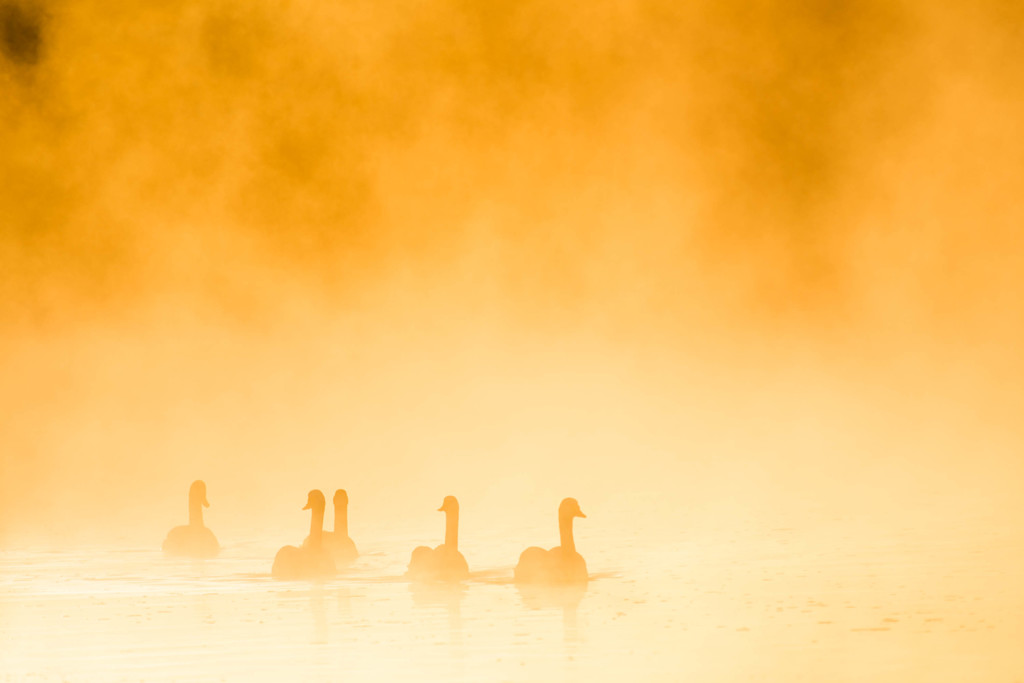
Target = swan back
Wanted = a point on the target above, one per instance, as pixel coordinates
(307, 562)
(191, 541)
(443, 563)
(342, 548)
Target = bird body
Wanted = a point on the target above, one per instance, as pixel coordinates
(337, 542)
(292, 563)
(557, 565)
(312, 560)
(191, 541)
(444, 563)
(341, 547)
(560, 565)
(194, 539)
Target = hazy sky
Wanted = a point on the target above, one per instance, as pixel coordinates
(681, 256)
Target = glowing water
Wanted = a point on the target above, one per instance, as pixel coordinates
(771, 604)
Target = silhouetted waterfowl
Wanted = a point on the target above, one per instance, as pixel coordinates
(558, 565)
(194, 539)
(445, 562)
(312, 560)
(341, 547)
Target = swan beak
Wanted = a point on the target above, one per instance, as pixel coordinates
(579, 513)
(442, 509)
(206, 503)
(306, 506)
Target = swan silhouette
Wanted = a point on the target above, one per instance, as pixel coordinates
(337, 542)
(559, 565)
(312, 560)
(193, 539)
(445, 562)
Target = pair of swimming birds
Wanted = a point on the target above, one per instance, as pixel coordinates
(323, 552)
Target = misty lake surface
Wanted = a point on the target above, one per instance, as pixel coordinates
(737, 604)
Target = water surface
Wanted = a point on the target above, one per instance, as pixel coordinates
(748, 604)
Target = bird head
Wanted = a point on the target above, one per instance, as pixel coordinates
(570, 508)
(315, 500)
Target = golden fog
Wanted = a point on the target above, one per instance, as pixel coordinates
(700, 261)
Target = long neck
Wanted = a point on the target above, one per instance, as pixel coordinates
(316, 526)
(195, 511)
(451, 529)
(565, 532)
(341, 519)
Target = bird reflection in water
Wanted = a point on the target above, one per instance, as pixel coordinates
(567, 597)
(448, 596)
(317, 608)
(344, 596)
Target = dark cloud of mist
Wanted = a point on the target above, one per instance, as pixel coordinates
(22, 28)
(279, 243)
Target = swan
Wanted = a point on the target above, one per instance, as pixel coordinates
(445, 562)
(193, 539)
(312, 560)
(341, 547)
(559, 565)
